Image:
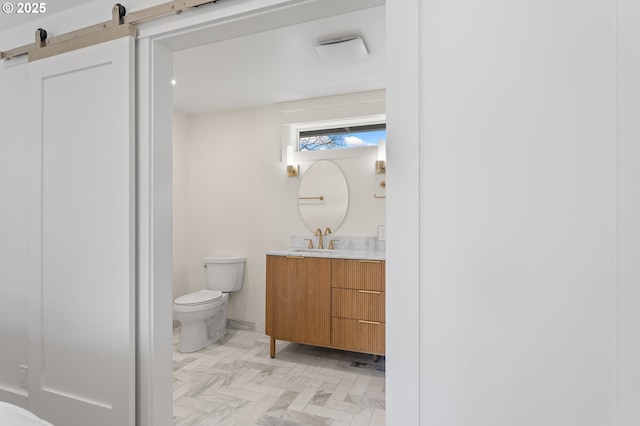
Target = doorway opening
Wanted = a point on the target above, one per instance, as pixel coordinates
(233, 99)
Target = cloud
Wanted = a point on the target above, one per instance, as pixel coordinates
(355, 141)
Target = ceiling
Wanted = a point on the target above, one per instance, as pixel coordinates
(270, 66)
(279, 65)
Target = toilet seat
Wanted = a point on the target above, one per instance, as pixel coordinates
(199, 298)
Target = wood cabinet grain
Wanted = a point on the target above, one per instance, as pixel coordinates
(336, 303)
(357, 304)
(358, 274)
(299, 299)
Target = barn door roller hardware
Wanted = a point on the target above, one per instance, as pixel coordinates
(41, 36)
(120, 25)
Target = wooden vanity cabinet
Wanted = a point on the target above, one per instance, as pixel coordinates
(298, 300)
(337, 303)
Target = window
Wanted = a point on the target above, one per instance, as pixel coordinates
(341, 137)
(335, 138)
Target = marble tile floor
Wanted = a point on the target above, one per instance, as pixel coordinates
(235, 382)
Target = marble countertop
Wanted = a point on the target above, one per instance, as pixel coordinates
(337, 253)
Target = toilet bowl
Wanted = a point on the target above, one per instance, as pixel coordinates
(202, 321)
(203, 314)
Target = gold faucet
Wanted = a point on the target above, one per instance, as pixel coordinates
(327, 231)
(318, 234)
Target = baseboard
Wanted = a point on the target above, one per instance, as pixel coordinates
(19, 397)
(260, 327)
(236, 325)
(241, 325)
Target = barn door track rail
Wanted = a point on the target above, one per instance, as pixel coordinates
(120, 25)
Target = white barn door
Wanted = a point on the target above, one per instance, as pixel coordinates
(82, 286)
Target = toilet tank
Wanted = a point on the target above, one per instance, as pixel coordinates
(224, 273)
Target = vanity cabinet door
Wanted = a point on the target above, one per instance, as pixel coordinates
(299, 299)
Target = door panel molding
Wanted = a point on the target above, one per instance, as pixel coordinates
(82, 291)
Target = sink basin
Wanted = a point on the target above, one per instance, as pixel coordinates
(318, 252)
(308, 250)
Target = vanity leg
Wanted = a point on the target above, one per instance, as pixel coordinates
(376, 358)
(272, 347)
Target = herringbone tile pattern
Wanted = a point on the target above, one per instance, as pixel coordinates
(235, 382)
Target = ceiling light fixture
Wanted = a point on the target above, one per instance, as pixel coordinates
(343, 51)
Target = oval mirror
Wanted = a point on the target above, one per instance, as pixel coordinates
(323, 196)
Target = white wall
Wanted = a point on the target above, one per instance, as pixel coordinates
(517, 211)
(628, 212)
(239, 200)
(180, 255)
(14, 227)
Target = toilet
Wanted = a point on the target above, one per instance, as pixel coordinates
(203, 314)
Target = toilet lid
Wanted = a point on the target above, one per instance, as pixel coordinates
(199, 297)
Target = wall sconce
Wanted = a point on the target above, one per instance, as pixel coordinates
(291, 169)
(381, 166)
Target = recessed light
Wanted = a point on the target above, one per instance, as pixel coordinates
(173, 82)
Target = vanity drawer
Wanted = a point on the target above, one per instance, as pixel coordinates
(358, 274)
(357, 304)
(358, 335)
